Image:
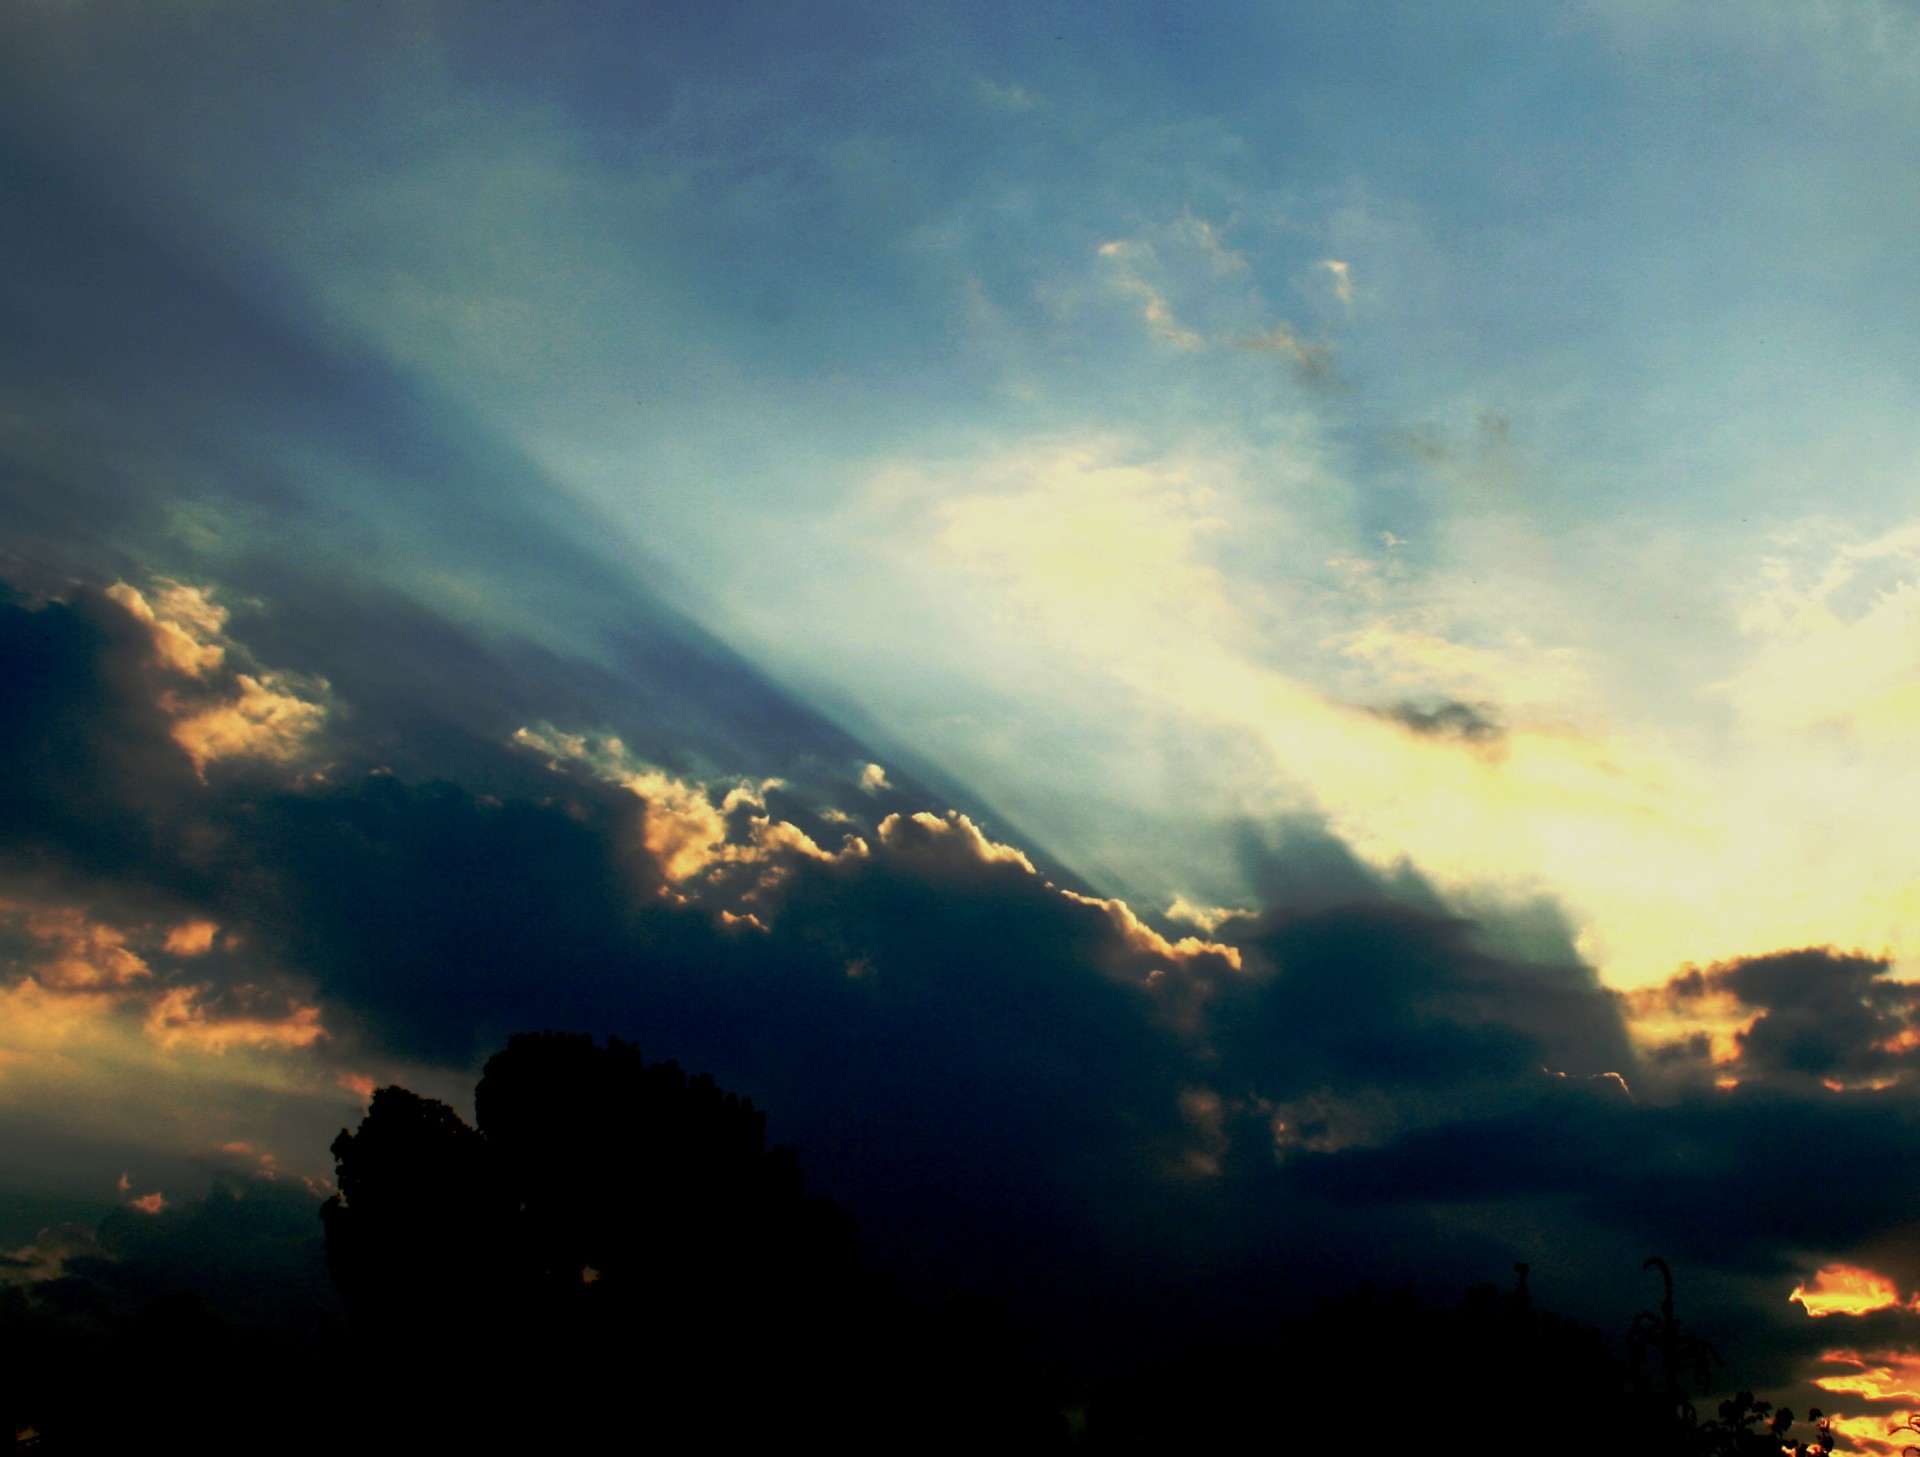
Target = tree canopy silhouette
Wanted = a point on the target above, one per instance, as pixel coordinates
(613, 1241)
(614, 1248)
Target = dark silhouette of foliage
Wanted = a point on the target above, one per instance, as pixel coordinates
(1680, 1353)
(1494, 1374)
(615, 1252)
(1749, 1427)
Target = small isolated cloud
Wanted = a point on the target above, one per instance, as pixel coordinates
(191, 938)
(1462, 722)
(1129, 261)
(873, 779)
(1342, 279)
(152, 1203)
(1311, 358)
(997, 96)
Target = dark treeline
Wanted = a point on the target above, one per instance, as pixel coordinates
(612, 1254)
(1494, 1374)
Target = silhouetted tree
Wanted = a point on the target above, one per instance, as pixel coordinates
(615, 1250)
(1679, 1353)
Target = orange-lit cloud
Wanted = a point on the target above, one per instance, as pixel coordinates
(179, 1017)
(1877, 1435)
(261, 714)
(1142, 939)
(264, 718)
(713, 849)
(686, 831)
(188, 627)
(149, 1203)
(191, 938)
(80, 954)
(1847, 1290)
(955, 835)
(1876, 1375)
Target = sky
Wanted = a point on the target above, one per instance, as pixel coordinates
(1221, 644)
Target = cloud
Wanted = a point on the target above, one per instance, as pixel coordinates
(224, 715)
(1846, 1290)
(180, 1017)
(187, 625)
(77, 954)
(1814, 1017)
(1014, 1074)
(192, 938)
(1190, 257)
(1312, 358)
(1831, 625)
(1342, 275)
(1463, 722)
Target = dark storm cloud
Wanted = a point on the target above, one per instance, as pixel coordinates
(93, 776)
(1380, 995)
(1451, 719)
(1821, 1014)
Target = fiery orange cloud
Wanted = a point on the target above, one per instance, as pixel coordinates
(1846, 1290)
(1875, 1435)
(1876, 1375)
(149, 1203)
